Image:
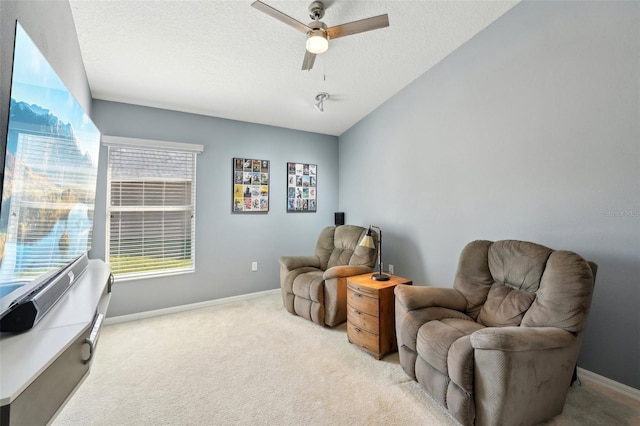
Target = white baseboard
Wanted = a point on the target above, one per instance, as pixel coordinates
(588, 376)
(181, 308)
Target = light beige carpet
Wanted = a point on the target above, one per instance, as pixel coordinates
(252, 363)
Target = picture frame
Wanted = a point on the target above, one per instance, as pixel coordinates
(250, 185)
(302, 187)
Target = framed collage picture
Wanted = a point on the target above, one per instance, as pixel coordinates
(302, 185)
(250, 186)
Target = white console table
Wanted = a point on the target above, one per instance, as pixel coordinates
(41, 368)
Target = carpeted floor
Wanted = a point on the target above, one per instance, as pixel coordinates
(250, 362)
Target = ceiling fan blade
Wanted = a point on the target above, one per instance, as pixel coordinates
(309, 59)
(360, 26)
(275, 13)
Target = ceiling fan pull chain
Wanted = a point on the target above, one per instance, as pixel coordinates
(324, 70)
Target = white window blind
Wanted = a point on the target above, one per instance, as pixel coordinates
(151, 211)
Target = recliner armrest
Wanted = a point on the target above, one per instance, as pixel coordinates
(295, 262)
(417, 297)
(514, 339)
(345, 271)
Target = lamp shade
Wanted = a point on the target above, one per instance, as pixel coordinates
(367, 241)
(317, 42)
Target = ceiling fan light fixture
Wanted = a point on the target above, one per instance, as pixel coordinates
(321, 97)
(317, 42)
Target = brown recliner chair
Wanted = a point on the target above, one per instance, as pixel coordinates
(500, 347)
(315, 287)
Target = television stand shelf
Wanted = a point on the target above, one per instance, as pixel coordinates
(41, 368)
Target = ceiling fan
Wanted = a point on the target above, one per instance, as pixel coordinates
(318, 35)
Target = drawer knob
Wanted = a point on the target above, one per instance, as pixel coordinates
(358, 330)
(357, 312)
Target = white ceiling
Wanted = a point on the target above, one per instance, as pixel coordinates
(229, 60)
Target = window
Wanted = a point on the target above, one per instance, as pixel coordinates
(150, 208)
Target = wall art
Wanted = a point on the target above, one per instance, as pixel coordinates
(302, 186)
(250, 186)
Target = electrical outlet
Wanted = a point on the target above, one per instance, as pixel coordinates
(254, 266)
(391, 269)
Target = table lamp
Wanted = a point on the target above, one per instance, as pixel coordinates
(367, 241)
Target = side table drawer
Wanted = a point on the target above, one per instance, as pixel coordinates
(363, 321)
(363, 303)
(362, 289)
(363, 338)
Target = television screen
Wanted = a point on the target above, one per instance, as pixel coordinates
(50, 171)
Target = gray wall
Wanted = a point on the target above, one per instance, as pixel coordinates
(58, 43)
(226, 243)
(529, 131)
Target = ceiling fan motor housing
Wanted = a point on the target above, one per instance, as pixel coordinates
(317, 25)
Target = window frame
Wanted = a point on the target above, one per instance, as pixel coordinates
(163, 147)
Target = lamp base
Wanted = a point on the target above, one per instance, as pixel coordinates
(380, 277)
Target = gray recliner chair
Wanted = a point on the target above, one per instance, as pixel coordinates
(315, 287)
(501, 346)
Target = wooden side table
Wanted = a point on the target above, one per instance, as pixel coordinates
(371, 313)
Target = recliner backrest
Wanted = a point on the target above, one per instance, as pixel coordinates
(564, 297)
(325, 246)
(512, 283)
(339, 245)
(473, 278)
(516, 268)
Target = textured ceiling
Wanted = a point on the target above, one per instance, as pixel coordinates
(229, 60)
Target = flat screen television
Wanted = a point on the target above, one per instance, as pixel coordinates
(49, 177)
